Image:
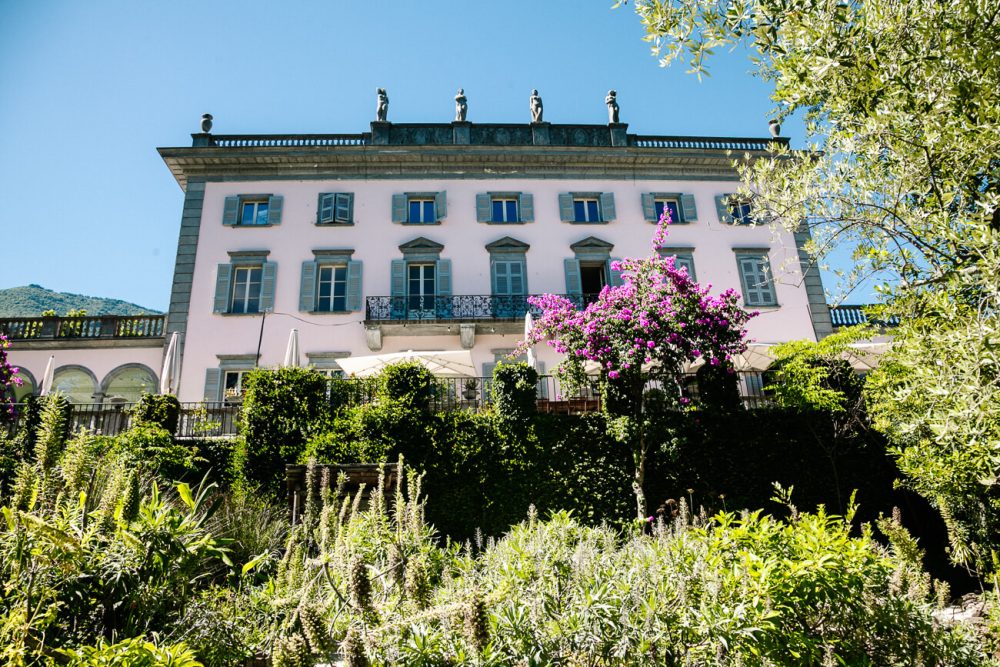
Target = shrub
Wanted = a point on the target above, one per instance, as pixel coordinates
(163, 410)
(514, 392)
(281, 408)
(408, 383)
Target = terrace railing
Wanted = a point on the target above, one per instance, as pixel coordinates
(284, 140)
(466, 307)
(221, 419)
(706, 143)
(62, 328)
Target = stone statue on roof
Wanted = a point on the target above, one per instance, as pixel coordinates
(536, 107)
(461, 106)
(382, 110)
(612, 101)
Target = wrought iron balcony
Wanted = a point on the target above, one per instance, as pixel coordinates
(452, 308)
(62, 328)
(852, 315)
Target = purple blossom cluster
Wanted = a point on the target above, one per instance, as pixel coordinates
(8, 377)
(655, 321)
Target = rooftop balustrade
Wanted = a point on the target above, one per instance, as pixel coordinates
(97, 327)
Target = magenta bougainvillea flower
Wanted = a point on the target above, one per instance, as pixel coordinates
(649, 326)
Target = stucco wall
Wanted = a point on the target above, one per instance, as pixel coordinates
(375, 240)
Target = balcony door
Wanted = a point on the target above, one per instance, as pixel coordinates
(421, 290)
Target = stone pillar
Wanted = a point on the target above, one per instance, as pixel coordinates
(619, 135)
(380, 132)
(462, 132)
(540, 134)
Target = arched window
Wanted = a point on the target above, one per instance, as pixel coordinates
(76, 383)
(128, 382)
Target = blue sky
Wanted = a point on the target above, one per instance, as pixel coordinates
(88, 90)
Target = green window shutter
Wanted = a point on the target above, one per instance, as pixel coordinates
(444, 277)
(307, 287)
(213, 384)
(230, 211)
(649, 207)
(484, 208)
(722, 208)
(274, 206)
(574, 286)
(608, 207)
(526, 207)
(325, 208)
(566, 213)
(354, 286)
(614, 277)
(397, 288)
(689, 212)
(344, 207)
(399, 208)
(222, 281)
(686, 260)
(268, 275)
(493, 278)
(397, 278)
(441, 205)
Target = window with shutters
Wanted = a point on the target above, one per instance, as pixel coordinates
(419, 208)
(683, 258)
(252, 210)
(331, 283)
(246, 284)
(587, 207)
(504, 208)
(755, 278)
(681, 207)
(335, 208)
(735, 210)
(246, 289)
(232, 386)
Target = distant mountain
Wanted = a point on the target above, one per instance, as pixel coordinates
(32, 300)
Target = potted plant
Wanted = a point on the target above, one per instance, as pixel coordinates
(470, 389)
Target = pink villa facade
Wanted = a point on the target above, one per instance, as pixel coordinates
(430, 237)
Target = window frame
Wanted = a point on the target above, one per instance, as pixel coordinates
(674, 220)
(422, 203)
(505, 202)
(333, 267)
(256, 203)
(234, 284)
(584, 201)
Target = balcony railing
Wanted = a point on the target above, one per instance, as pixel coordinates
(284, 140)
(709, 143)
(467, 308)
(215, 419)
(850, 315)
(62, 328)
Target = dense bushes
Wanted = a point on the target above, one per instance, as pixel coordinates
(163, 410)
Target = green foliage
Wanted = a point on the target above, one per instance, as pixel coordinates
(135, 652)
(408, 383)
(902, 104)
(514, 392)
(154, 447)
(163, 410)
(727, 590)
(936, 395)
(280, 406)
(809, 375)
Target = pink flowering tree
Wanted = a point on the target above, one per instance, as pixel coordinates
(646, 329)
(8, 379)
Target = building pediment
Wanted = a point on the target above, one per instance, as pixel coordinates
(421, 244)
(507, 244)
(592, 244)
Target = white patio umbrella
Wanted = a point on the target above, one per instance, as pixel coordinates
(292, 351)
(443, 363)
(49, 377)
(171, 372)
(528, 323)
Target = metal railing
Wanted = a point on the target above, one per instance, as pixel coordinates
(285, 140)
(469, 307)
(852, 315)
(710, 143)
(105, 326)
(220, 419)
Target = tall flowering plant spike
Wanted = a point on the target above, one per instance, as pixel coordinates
(658, 319)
